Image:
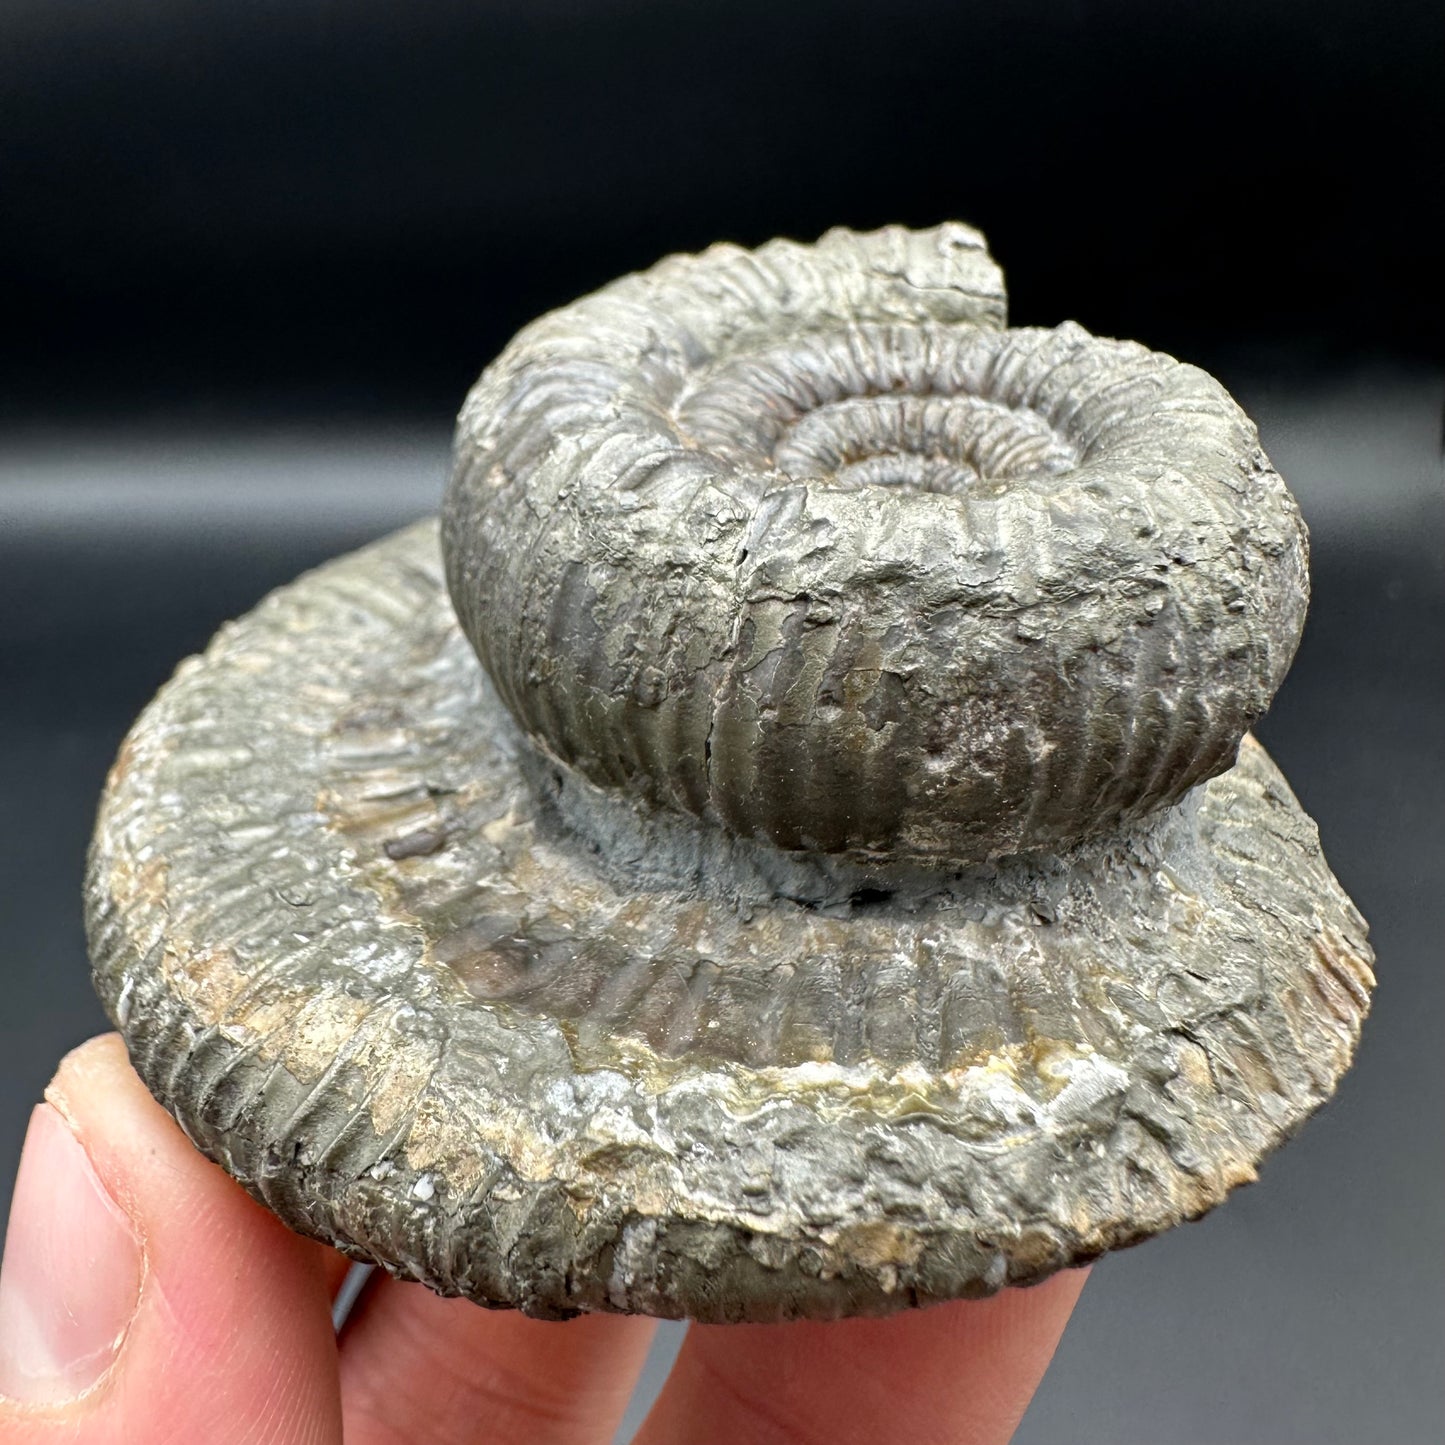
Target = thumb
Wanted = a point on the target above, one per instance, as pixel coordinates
(143, 1295)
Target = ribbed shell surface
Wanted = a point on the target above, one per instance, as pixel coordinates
(361, 956)
(803, 542)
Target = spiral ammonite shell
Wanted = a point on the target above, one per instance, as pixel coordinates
(803, 542)
(846, 880)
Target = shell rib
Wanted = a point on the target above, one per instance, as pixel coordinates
(802, 542)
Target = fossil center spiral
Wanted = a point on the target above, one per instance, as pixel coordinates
(869, 406)
(806, 544)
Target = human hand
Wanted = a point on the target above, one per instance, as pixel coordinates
(146, 1298)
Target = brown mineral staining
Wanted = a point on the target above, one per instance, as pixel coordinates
(842, 894)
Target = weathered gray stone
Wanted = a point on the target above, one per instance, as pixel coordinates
(801, 542)
(696, 969)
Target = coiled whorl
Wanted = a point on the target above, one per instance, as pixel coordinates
(802, 542)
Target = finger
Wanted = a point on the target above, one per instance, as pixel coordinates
(962, 1373)
(418, 1367)
(144, 1296)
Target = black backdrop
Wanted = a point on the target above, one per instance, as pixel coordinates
(278, 203)
(253, 254)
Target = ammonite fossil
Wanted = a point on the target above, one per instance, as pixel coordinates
(846, 881)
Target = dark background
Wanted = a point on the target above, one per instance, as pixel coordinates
(254, 253)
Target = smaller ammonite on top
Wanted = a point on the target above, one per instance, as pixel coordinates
(846, 881)
(803, 542)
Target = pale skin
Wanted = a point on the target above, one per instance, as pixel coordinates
(146, 1298)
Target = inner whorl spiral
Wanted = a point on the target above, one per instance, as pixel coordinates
(804, 543)
(867, 406)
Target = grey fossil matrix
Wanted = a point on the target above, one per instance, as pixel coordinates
(790, 845)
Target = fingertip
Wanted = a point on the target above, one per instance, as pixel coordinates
(103, 1056)
(107, 1107)
(71, 1278)
(417, 1367)
(1030, 1318)
(966, 1370)
(230, 1332)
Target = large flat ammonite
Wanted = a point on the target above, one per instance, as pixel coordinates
(845, 881)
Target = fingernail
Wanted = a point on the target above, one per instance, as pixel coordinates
(70, 1281)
